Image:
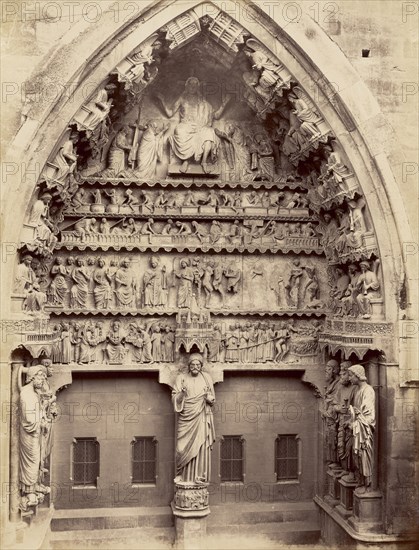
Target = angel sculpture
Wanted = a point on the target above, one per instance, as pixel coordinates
(270, 80)
(135, 68)
(306, 114)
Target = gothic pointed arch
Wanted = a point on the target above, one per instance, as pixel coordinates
(208, 179)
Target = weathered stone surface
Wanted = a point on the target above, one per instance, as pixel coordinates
(228, 185)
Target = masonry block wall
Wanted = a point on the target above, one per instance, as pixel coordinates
(114, 409)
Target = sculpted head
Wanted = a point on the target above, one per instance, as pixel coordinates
(192, 85)
(195, 363)
(46, 198)
(47, 363)
(332, 370)
(27, 260)
(352, 269)
(357, 374)
(344, 373)
(37, 375)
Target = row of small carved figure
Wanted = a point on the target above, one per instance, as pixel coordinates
(118, 284)
(262, 341)
(92, 201)
(355, 290)
(87, 342)
(90, 229)
(154, 341)
(79, 286)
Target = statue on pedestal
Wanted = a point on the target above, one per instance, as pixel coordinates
(193, 397)
(37, 408)
(362, 424)
(344, 398)
(329, 413)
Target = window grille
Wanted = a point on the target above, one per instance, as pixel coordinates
(85, 461)
(286, 457)
(144, 460)
(232, 458)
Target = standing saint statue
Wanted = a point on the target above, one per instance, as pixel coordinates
(362, 424)
(34, 437)
(194, 137)
(193, 397)
(329, 413)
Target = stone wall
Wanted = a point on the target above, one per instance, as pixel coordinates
(114, 410)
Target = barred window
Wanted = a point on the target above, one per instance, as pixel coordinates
(85, 461)
(286, 457)
(144, 460)
(232, 458)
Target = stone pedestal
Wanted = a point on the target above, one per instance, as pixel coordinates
(367, 512)
(333, 489)
(190, 509)
(347, 487)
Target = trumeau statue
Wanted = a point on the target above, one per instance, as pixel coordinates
(193, 396)
(194, 137)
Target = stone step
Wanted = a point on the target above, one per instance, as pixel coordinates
(141, 538)
(111, 518)
(293, 532)
(262, 512)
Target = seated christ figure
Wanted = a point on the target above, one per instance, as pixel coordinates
(194, 137)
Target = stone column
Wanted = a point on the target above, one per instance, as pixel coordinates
(373, 378)
(190, 508)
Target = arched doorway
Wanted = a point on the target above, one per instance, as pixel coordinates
(260, 219)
